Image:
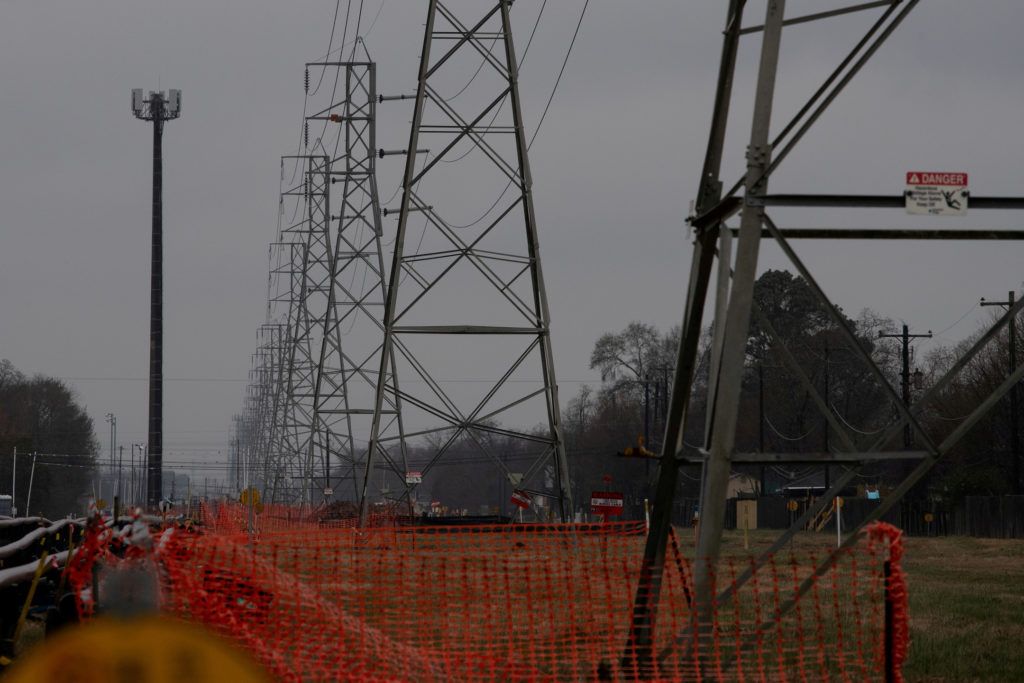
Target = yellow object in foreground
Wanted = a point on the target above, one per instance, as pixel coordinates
(150, 649)
(250, 496)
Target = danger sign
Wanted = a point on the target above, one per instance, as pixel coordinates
(606, 503)
(936, 193)
(521, 499)
(931, 178)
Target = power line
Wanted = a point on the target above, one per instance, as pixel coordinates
(561, 72)
(330, 41)
(852, 428)
(958, 321)
(540, 122)
(783, 436)
(497, 110)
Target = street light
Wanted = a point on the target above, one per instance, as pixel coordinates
(142, 451)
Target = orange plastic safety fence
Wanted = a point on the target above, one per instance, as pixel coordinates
(521, 602)
(897, 597)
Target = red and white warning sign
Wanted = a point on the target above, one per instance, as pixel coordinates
(936, 193)
(413, 477)
(606, 503)
(521, 499)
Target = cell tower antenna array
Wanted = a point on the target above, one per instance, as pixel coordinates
(158, 108)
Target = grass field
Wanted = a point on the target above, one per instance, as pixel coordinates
(966, 609)
(966, 603)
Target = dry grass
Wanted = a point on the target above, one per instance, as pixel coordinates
(966, 609)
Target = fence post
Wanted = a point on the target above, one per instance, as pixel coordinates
(890, 670)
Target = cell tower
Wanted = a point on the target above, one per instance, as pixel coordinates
(157, 108)
(475, 286)
(736, 274)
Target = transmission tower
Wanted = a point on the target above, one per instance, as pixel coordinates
(473, 286)
(278, 416)
(352, 344)
(306, 317)
(271, 363)
(316, 372)
(275, 418)
(733, 310)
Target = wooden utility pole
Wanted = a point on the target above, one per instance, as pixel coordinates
(905, 337)
(1014, 396)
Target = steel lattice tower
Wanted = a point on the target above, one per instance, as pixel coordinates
(478, 286)
(353, 340)
(734, 307)
(278, 418)
(306, 319)
(273, 355)
(315, 375)
(282, 421)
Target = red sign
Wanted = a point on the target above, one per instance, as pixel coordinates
(606, 503)
(521, 499)
(936, 178)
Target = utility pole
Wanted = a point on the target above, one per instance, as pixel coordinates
(31, 478)
(112, 421)
(131, 478)
(14, 481)
(826, 446)
(905, 337)
(136, 483)
(236, 469)
(1014, 398)
(157, 109)
(647, 425)
(760, 419)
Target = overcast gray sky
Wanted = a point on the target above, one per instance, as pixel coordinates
(615, 168)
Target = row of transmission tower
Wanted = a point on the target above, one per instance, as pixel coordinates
(378, 372)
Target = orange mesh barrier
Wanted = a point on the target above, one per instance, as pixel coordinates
(519, 602)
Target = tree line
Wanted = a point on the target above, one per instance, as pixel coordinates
(42, 415)
(777, 414)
